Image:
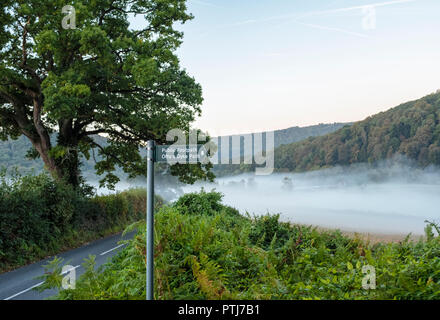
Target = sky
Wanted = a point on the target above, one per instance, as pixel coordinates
(273, 64)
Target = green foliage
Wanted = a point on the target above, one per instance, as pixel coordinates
(429, 229)
(41, 216)
(102, 77)
(203, 203)
(53, 276)
(222, 256)
(34, 212)
(267, 231)
(411, 129)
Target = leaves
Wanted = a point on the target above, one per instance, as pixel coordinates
(104, 77)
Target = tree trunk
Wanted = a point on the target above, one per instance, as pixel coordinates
(43, 150)
(66, 167)
(69, 164)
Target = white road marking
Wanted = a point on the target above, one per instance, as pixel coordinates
(37, 285)
(24, 291)
(112, 249)
(75, 267)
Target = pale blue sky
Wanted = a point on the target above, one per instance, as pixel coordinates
(273, 64)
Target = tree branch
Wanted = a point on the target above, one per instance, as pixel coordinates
(106, 153)
(24, 64)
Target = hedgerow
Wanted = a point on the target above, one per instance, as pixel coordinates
(40, 216)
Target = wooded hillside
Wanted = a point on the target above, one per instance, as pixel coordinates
(410, 129)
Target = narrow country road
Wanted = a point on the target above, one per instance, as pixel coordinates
(18, 284)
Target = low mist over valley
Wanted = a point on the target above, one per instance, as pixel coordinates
(393, 198)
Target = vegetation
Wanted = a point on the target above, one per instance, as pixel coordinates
(411, 129)
(205, 250)
(285, 136)
(40, 216)
(295, 134)
(101, 77)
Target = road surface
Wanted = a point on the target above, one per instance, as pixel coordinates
(18, 284)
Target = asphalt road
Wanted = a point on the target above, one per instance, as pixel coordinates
(18, 284)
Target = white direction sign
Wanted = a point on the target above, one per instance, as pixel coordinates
(184, 154)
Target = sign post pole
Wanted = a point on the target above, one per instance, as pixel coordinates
(160, 154)
(150, 220)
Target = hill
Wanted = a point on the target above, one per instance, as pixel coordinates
(411, 129)
(13, 154)
(281, 137)
(295, 134)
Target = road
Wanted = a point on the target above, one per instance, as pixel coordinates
(18, 284)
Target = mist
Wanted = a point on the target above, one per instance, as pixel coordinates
(391, 198)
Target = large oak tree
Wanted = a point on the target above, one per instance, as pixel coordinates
(103, 77)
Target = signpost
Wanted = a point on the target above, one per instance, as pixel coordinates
(171, 154)
(150, 219)
(180, 154)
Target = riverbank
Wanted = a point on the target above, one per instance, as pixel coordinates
(373, 237)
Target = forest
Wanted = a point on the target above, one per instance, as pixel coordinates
(411, 129)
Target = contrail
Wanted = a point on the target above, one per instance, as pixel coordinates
(296, 16)
(205, 3)
(372, 5)
(287, 16)
(332, 29)
(378, 4)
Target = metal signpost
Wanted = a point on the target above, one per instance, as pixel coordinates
(162, 154)
(150, 219)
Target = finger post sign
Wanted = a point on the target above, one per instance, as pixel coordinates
(171, 154)
(185, 154)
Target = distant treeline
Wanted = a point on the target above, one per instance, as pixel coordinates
(411, 129)
(281, 137)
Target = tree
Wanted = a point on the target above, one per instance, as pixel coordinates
(100, 77)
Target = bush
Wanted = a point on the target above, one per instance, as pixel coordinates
(113, 205)
(34, 212)
(267, 230)
(40, 216)
(204, 203)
